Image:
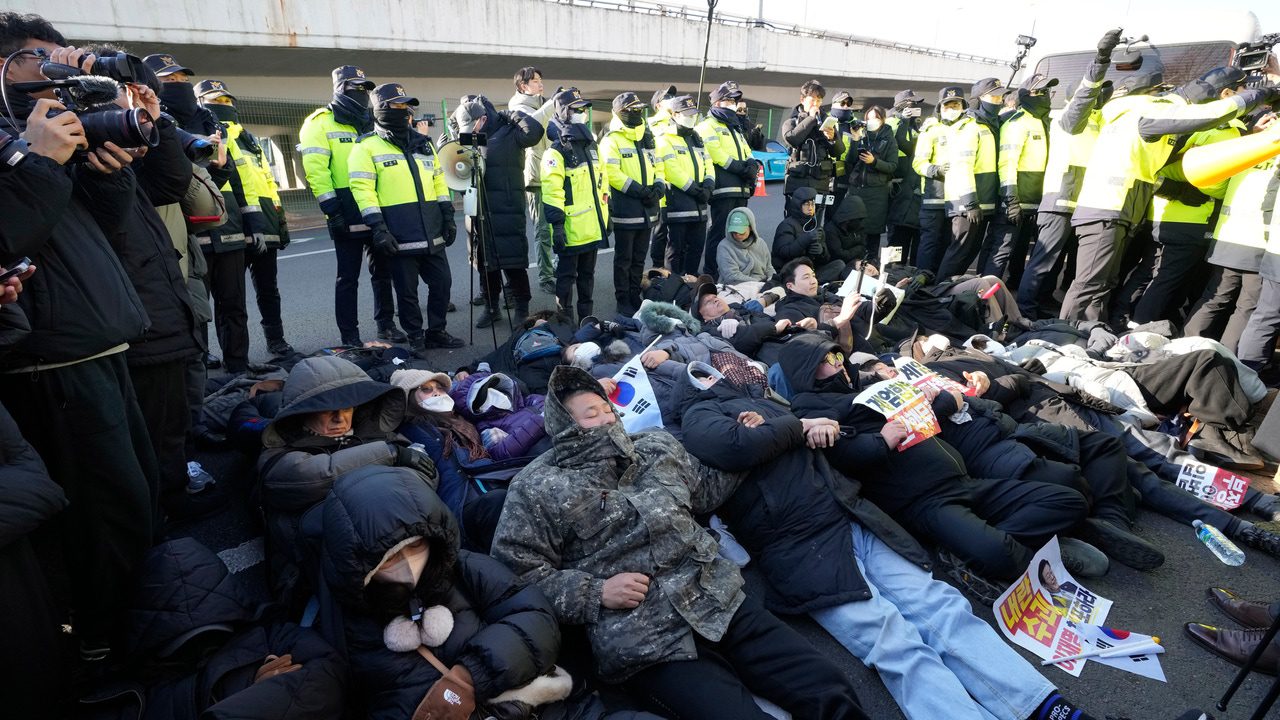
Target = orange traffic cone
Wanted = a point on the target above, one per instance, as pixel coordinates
(1209, 165)
(760, 191)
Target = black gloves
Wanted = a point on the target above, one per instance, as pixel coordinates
(973, 215)
(337, 224)
(1013, 211)
(383, 241)
(284, 229)
(653, 195)
(418, 461)
(1108, 43)
(558, 239)
(937, 172)
(818, 248)
(448, 227)
(635, 190)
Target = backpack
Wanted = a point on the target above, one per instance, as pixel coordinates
(534, 344)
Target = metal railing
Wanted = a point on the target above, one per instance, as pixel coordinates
(695, 14)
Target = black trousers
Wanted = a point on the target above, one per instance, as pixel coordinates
(719, 218)
(1180, 250)
(1098, 258)
(31, 657)
(966, 241)
(758, 654)
(1053, 241)
(346, 290)
(1207, 383)
(686, 241)
(1004, 253)
(995, 525)
(434, 271)
(631, 246)
(658, 245)
(163, 400)
(84, 421)
(197, 375)
(517, 278)
(576, 271)
(935, 237)
(225, 283)
(905, 237)
(263, 272)
(1101, 476)
(1223, 310)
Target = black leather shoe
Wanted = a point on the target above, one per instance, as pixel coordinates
(1249, 613)
(392, 334)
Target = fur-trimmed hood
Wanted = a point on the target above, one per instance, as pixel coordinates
(662, 318)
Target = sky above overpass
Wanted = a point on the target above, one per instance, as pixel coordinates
(984, 28)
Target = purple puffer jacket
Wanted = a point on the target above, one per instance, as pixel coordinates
(523, 423)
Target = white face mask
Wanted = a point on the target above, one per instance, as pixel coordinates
(951, 114)
(436, 404)
(874, 124)
(578, 118)
(495, 399)
(406, 569)
(686, 120)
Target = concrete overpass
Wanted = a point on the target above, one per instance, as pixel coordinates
(446, 48)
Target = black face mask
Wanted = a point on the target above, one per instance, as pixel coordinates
(851, 227)
(631, 118)
(348, 110)
(179, 100)
(989, 109)
(728, 116)
(394, 119)
(1036, 105)
(843, 115)
(388, 598)
(358, 96)
(835, 383)
(225, 113)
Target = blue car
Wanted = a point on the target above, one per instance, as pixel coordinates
(774, 159)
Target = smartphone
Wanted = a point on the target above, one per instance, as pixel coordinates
(20, 267)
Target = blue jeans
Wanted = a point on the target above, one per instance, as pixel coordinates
(937, 659)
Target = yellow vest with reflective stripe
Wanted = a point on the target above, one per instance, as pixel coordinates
(324, 145)
(626, 164)
(385, 189)
(1024, 153)
(1165, 210)
(579, 192)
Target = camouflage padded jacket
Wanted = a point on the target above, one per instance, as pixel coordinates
(602, 502)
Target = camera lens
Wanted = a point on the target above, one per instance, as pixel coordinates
(198, 150)
(126, 128)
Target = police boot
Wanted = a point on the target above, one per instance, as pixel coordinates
(488, 317)
(521, 313)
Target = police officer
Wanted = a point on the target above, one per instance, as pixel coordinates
(575, 198)
(660, 103)
(326, 139)
(813, 142)
(1024, 153)
(931, 162)
(1181, 214)
(903, 227)
(725, 138)
(688, 174)
(245, 155)
(629, 152)
(972, 183)
(398, 183)
(1071, 139)
(1235, 253)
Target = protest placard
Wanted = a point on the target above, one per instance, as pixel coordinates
(1212, 484)
(1043, 608)
(900, 400)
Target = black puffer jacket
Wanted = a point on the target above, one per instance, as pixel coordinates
(181, 628)
(27, 496)
(845, 229)
(892, 479)
(504, 634)
(871, 182)
(812, 155)
(80, 302)
(793, 509)
(797, 232)
(509, 134)
(146, 252)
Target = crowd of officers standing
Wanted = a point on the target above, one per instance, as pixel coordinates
(1085, 200)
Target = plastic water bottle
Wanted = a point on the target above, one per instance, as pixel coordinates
(1218, 544)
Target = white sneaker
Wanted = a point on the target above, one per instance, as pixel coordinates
(730, 548)
(198, 478)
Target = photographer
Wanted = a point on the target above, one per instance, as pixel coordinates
(66, 383)
(872, 162)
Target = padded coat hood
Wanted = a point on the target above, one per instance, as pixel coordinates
(319, 384)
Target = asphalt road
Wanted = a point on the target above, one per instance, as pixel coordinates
(1156, 603)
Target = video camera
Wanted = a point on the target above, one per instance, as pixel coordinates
(1255, 58)
(13, 150)
(92, 98)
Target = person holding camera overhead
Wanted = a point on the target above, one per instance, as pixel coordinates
(262, 227)
(326, 138)
(575, 200)
(398, 183)
(66, 382)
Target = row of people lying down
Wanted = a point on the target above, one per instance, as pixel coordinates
(602, 522)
